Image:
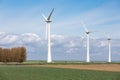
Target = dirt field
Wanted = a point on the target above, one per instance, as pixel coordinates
(103, 67)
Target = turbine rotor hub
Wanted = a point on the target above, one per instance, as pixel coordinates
(48, 21)
(87, 32)
(109, 39)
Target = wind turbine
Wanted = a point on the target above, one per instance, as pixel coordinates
(48, 21)
(109, 49)
(88, 44)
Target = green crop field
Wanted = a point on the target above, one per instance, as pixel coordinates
(20, 72)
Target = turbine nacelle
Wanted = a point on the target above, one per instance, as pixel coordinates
(48, 21)
(109, 38)
(87, 32)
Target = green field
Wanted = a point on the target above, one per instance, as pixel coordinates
(20, 72)
(40, 62)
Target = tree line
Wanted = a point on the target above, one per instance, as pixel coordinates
(17, 54)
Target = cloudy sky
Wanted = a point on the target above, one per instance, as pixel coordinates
(21, 21)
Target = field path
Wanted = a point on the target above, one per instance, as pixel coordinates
(103, 67)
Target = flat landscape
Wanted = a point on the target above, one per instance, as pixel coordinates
(102, 67)
(59, 71)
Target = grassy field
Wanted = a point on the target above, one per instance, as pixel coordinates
(59, 62)
(21, 72)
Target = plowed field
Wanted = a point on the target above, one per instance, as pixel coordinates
(103, 67)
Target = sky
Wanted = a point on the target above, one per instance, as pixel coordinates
(102, 17)
(21, 23)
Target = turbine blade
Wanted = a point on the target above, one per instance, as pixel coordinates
(44, 17)
(83, 38)
(50, 14)
(84, 27)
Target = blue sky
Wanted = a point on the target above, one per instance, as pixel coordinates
(21, 23)
(23, 16)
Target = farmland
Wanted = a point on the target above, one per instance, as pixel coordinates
(59, 72)
(100, 67)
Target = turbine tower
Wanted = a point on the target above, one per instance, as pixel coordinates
(88, 44)
(109, 49)
(48, 21)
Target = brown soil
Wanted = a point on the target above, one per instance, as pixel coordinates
(103, 67)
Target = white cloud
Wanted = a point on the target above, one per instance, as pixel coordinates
(103, 43)
(10, 38)
(30, 37)
(57, 37)
(62, 47)
(70, 44)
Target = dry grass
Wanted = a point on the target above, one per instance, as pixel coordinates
(103, 67)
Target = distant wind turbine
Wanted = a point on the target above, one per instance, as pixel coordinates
(88, 44)
(47, 36)
(109, 49)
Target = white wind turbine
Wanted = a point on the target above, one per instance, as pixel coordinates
(88, 44)
(48, 21)
(109, 49)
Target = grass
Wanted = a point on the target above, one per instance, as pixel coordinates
(43, 62)
(20, 72)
